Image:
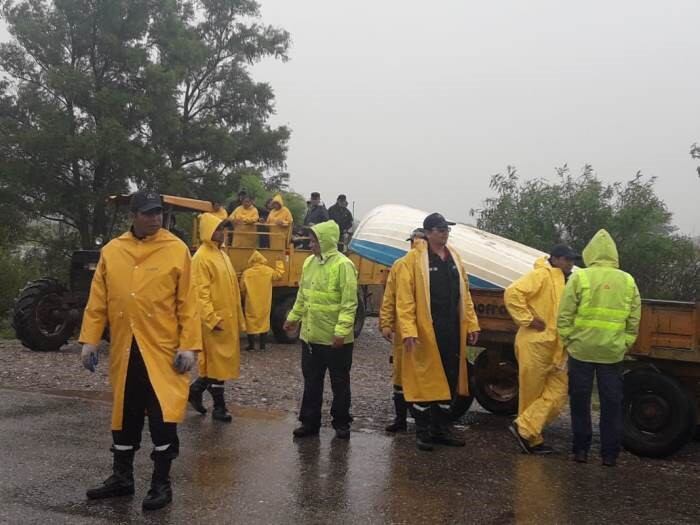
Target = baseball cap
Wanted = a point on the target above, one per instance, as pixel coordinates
(143, 201)
(418, 232)
(436, 220)
(342, 198)
(562, 250)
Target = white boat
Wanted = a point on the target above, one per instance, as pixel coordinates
(490, 260)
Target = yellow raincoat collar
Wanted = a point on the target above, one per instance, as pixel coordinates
(328, 235)
(208, 224)
(601, 251)
(256, 258)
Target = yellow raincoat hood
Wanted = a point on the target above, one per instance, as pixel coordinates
(208, 224)
(278, 199)
(328, 235)
(601, 251)
(256, 258)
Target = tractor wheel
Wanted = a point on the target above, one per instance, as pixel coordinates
(495, 381)
(360, 316)
(40, 319)
(280, 311)
(659, 418)
(460, 406)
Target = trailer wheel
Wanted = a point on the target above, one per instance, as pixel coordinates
(658, 416)
(495, 381)
(460, 406)
(280, 311)
(40, 318)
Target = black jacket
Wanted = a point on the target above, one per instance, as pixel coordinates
(341, 216)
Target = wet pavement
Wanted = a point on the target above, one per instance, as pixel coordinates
(56, 444)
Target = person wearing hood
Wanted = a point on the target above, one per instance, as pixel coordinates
(142, 290)
(219, 303)
(280, 221)
(256, 289)
(598, 322)
(388, 327)
(436, 319)
(244, 218)
(326, 305)
(533, 303)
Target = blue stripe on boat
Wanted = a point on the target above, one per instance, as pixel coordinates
(387, 255)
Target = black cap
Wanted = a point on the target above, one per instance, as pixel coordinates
(315, 195)
(562, 250)
(143, 201)
(342, 198)
(436, 220)
(418, 232)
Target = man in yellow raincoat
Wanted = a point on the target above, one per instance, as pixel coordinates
(436, 319)
(256, 287)
(219, 303)
(533, 303)
(142, 290)
(388, 326)
(244, 218)
(598, 322)
(280, 221)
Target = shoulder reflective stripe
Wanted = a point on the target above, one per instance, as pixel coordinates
(613, 326)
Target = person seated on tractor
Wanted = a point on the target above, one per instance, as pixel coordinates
(280, 220)
(256, 289)
(244, 219)
(218, 210)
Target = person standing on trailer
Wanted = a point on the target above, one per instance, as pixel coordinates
(142, 290)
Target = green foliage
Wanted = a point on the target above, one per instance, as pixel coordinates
(540, 214)
(695, 153)
(98, 96)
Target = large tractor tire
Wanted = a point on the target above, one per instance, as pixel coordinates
(283, 306)
(41, 320)
(659, 417)
(495, 381)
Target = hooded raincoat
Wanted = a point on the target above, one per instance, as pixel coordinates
(142, 290)
(220, 213)
(423, 377)
(256, 287)
(326, 302)
(543, 380)
(219, 301)
(600, 310)
(245, 234)
(279, 232)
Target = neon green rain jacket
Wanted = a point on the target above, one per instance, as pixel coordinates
(600, 309)
(327, 299)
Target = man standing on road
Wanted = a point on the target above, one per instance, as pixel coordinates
(533, 303)
(436, 318)
(388, 326)
(598, 322)
(316, 212)
(220, 309)
(142, 290)
(326, 305)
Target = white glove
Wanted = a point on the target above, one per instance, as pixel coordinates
(184, 361)
(89, 356)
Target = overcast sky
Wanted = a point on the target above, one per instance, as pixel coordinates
(419, 103)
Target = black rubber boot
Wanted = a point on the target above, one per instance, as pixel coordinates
(220, 412)
(197, 389)
(160, 493)
(121, 482)
(441, 428)
(424, 441)
(399, 423)
(262, 341)
(251, 343)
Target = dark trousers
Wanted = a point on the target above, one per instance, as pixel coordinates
(315, 359)
(610, 391)
(139, 401)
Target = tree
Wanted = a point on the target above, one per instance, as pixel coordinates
(100, 96)
(695, 153)
(540, 214)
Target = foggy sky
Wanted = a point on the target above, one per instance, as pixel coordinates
(420, 102)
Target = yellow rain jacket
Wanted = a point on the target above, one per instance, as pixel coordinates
(220, 214)
(256, 287)
(142, 290)
(244, 235)
(600, 310)
(219, 302)
(279, 232)
(543, 380)
(423, 377)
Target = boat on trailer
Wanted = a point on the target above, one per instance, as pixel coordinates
(492, 262)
